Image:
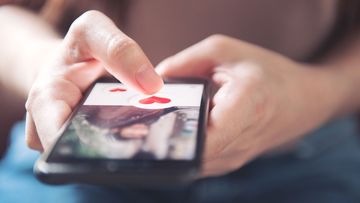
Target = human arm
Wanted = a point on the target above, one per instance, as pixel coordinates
(23, 37)
(26, 41)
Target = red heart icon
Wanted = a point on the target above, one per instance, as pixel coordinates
(117, 89)
(154, 99)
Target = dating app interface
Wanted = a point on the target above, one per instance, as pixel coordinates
(117, 122)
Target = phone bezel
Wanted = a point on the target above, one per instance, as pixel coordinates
(77, 168)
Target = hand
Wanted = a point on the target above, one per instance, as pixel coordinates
(263, 100)
(92, 47)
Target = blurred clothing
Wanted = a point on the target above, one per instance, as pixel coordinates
(324, 167)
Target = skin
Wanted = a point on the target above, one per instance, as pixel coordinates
(263, 101)
(92, 46)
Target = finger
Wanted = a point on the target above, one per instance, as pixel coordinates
(82, 74)
(221, 165)
(221, 76)
(201, 58)
(93, 35)
(51, 122)
(31, 135)
(223, 132)
(49, 105)
(220, 156)
(213, 168)
(225, 123)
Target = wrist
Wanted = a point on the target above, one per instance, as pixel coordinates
(314, 96)
(342, 84)
(351, 78)
(25, 47)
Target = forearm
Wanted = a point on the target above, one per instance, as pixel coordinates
(27, 42)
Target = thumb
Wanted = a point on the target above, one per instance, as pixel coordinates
(200, 59)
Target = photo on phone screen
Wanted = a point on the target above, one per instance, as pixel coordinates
(115, 122)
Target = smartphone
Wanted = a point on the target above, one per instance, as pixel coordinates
(118, 136)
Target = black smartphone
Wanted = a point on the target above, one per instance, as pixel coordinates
(118, 136)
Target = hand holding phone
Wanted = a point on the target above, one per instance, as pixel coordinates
(67, 67)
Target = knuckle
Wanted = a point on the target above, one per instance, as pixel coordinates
(91, 14)
(217, 40)
(46, 92)
(216, 44)
(255, 79)
(78, 27)
(251, 74)
(60, 89)
(254, 92)
(119, 45)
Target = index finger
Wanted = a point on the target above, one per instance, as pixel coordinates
(95, 36)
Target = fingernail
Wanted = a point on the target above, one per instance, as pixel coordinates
(148, 79)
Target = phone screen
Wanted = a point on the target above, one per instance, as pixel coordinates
(115, 122)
